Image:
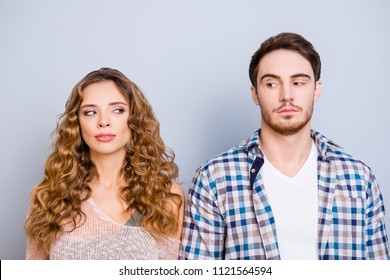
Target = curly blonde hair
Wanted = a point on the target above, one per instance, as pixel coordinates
(148, 169)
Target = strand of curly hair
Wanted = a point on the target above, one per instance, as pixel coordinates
(148, 170)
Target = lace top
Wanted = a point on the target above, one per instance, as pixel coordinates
(101, 238)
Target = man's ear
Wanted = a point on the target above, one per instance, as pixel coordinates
(317, 90)
(254, 96)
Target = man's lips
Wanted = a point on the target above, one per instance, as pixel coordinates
(287, 110)
(105, 137)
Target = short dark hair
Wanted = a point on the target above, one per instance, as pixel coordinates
(288, 41)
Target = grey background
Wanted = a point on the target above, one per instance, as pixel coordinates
(191, 60)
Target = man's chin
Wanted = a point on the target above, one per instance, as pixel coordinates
(288, 130)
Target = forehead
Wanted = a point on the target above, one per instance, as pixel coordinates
(284, 63)
(102, 93)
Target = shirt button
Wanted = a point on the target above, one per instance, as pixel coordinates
(253, 170)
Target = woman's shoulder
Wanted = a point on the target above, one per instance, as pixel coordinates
(177, 189)
(177, 208)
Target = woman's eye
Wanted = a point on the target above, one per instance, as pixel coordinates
(119, 111)
(89, 113)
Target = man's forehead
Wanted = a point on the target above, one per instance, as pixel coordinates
(284, 63)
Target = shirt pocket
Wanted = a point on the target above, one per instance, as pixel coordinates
(347, 226)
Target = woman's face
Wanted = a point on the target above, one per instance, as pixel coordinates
(103, 117)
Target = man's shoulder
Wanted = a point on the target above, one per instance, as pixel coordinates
(347, 163)
(337, 155)
(233, 155)
(236, 156)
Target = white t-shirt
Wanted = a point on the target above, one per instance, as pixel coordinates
(294, 203)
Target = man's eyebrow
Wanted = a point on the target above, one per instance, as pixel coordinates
(300, 75)
(268, 75)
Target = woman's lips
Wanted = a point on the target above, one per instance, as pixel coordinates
(104, 137)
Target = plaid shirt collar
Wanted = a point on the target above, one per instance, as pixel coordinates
(323, 144)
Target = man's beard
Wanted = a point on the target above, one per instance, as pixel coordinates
(284, 127)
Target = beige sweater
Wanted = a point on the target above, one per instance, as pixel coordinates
(101, 238)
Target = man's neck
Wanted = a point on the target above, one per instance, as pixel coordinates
(286, 153)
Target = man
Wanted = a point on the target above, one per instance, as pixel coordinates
(287, 192)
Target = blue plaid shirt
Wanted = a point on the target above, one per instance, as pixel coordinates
(228, 215)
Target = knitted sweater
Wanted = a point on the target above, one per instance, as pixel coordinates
(101, 238)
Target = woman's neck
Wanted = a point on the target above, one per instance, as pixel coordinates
(108, 169)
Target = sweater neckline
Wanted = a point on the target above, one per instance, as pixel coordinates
(103, 215)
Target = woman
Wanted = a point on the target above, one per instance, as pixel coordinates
(109, 189)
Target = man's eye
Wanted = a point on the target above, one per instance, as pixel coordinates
(271, 85)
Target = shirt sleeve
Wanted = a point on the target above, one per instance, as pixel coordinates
(204, 229)
(377, 243)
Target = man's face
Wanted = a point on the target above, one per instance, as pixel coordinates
(286, 91)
